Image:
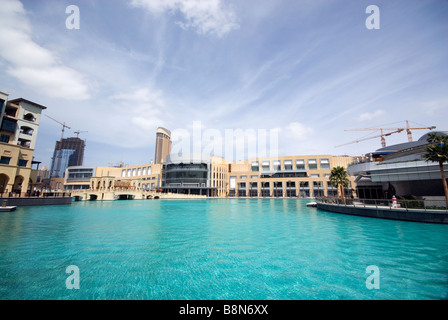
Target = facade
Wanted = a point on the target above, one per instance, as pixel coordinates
(163, 145)
(288, 176)
(68, 153)
(143, 177)
(196, 174)
(398, 170)
(20, 120)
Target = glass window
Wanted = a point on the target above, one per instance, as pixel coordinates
(300, 164)
(22, 163)
(265, 166)
(9, 125)
(325, 164)
(139, 172)
(149, 170)
(254, 177)
(288, 164)
(314, 175)
(5, 160)
(277, 165)
(255, 166)
(129, 172)
(144, 171)
(123, 173)
(243, 177)
(4, 138)
(312, 164)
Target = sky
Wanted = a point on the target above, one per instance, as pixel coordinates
(302, 71)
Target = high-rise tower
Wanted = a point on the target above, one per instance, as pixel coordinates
(68, 154)
(163, 145)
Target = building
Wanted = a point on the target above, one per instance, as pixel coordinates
(19, 120)
(68, 153)
(206, 175)
(398, 170)
(196, 174)
(287, 176)
(163, 145)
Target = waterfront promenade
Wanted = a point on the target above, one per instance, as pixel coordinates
(406, 210)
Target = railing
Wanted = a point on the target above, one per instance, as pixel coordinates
(35, 194)
(403, 204)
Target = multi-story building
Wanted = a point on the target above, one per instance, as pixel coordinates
(399, 170)
(163, 145)
(67, 153)
(196, 174)
(287, 176)
(20, 120)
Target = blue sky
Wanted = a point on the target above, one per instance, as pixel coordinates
(308, 69)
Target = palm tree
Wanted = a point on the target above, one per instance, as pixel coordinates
(339, 179)
(437, 151)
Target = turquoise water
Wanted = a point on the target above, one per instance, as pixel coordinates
(216, 249)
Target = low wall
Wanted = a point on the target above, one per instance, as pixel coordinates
(34, 201)
(428, 216)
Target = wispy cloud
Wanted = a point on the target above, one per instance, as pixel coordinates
(32, 64)
(205, 17)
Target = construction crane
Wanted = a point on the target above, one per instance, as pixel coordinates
(79, 132)
(407, 128)
(382, 135)
(58, 163)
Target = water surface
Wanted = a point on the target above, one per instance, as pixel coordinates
(216, 249)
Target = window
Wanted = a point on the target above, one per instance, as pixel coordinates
(312, 164)
(288, 164)
(314, 175)
(300, 164)
(134, 172)
(5, 160)
(255, 166)
(277, 165)
(254, 177)
(139, 172)
(4, 138)
(22, 163)
(123, 173)
(129, 172)
(325, 164)
(243, 177)
(9, 125)
(265, 166)
(29, 117)
(149, 170)
(144, 171)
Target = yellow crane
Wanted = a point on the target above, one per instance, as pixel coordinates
(407, 128)
(382, 135)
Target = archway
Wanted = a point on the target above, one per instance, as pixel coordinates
(18, 181)
(4, 179)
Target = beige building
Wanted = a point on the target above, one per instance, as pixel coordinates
(288, 176)
(20, 120)
(163, 145)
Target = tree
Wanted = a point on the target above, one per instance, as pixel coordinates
(437, 151)
(339, 179)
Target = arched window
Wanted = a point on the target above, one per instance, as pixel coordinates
(29, 117)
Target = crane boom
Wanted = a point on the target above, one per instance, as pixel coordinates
(407, 128)
(382, 135)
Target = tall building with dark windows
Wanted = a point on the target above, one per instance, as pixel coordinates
(69, 153)
(163, 145)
